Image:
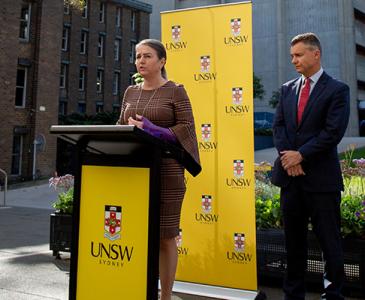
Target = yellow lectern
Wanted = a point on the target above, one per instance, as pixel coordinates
(115, 242)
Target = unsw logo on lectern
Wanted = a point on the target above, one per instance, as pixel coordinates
(112, 222)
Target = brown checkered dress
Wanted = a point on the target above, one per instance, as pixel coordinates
(169, 107)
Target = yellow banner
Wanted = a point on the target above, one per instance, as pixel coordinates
(113, 248)
(210, 52)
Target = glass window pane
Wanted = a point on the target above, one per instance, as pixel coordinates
(20, 77)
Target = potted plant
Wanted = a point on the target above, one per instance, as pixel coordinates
(61, 219)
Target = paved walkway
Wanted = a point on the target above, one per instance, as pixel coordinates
(28, 271)
(270, 154)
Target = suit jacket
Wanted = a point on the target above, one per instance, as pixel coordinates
(323, 125)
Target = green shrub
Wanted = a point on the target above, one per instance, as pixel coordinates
(268, 212)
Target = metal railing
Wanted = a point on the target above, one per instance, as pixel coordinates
(5, 186)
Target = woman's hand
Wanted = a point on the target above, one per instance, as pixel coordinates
(157, 131)
(136, 122)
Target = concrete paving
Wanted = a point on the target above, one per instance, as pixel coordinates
(28, 271)
(270, 154)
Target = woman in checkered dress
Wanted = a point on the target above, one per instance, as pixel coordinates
(162, 108)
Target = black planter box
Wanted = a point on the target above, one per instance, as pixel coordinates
(263, 142)
(271, 260)
(60, 233)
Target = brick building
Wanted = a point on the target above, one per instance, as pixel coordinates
(97, 56)
(56, 59)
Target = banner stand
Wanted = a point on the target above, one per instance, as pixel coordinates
(209, 51)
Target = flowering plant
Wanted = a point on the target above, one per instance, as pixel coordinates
(64, 186)
(268, 213)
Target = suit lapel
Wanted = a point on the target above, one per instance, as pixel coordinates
(294, 101)
(319, 87)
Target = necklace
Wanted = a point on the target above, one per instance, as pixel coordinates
(148, 102)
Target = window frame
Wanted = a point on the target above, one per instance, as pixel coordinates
(64, 46)
(26, 21)
(133, 20)
(83, 105)
(62, 108)
(84, 13)
(99, 107)
(117, 44)
(102, 12)
(18, 155)
(132, 51)
(116, 83)
(99, 81)
(83, 42)
(101, 45)
(24, 87)
(66, 7)
(63, 76)
(118, 16)
(82, 78)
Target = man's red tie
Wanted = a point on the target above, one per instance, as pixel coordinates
(303, 99)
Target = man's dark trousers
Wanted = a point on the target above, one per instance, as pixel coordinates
(323, 210)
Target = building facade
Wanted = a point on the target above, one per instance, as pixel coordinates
(340, 24)
(58, 59)
(98, 52)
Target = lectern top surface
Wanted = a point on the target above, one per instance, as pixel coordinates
(91, 128)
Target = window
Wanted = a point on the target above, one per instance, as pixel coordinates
(65, 38)
(116, 80)
(132, 52)
(21, 87)
(83, 43)
(99, 107)
(99, 80)
(16, 161)
(102, 12)
(101, 45)
(81, 107)
(118, 16)
(133, 20)
(24, 22)
(62, 108)
(84, 10)
(63, 76)
(116, 49)
(66, 7)
(82, 76)
(116, 108)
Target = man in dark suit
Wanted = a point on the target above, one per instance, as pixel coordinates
(310, 121)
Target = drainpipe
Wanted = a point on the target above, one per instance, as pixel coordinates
(35, 143)
(5, 186)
